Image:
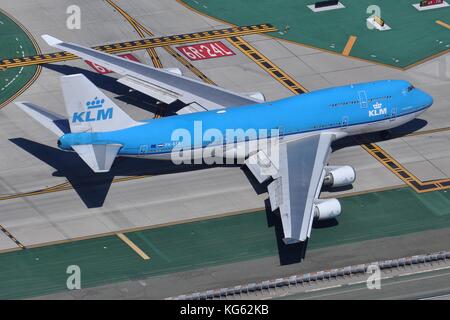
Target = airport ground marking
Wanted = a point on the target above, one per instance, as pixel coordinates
(38, 69)
(141, 29)
(402, 173)
(151, 51)
(443, 24)
(156, 61)
(349, 46)
(61, 187)
(133, 246)
(318, 48)
(141, 44)
(261, 60)
(10, 236)
(181, 59)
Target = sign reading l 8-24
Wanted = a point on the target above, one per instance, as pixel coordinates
(207, 50)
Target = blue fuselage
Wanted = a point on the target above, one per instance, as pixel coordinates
(351, 109)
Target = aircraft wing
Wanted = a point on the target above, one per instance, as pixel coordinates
(298, 179)
(161, 84)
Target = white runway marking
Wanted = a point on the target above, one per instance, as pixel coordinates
(325, 288)
(18, 73)
(386, 284)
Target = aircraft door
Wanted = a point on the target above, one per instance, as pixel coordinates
(143, 149)
(393, 114)
(280, 132)
(362, 99)
(344, 123)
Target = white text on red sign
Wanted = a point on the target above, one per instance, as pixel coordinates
(103, 70)
(207, 50)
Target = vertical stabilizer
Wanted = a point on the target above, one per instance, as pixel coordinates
(89, 109)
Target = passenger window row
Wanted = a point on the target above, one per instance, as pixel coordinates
(322, 126)
(344, 103)
(379, 98)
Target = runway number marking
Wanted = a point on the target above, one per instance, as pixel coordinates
(203, 51)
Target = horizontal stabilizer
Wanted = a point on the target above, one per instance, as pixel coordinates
(99, 157)
(52, 121)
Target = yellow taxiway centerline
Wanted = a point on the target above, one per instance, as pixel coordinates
(131, 244)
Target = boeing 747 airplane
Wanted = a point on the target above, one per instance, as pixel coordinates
(306, 125)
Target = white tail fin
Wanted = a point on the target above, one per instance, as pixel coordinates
(89, 109)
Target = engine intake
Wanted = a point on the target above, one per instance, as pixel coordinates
(326, 209)
(339, 176)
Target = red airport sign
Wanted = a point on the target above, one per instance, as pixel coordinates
(103, 70)
(426, 3)
(208, 50)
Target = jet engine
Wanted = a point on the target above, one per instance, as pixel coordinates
(339, 176)
(326, 209)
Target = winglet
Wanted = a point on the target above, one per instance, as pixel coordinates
(51, 41)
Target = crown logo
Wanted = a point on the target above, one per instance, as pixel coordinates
(377, 105)
(95, 103)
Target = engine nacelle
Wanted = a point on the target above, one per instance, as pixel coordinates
(339, 176)
(326, 209)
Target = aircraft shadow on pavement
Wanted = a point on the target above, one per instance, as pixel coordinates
(91, 187)
(375, 137)
(287, 254)
(110, 84)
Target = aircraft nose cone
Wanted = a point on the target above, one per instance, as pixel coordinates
(428, 100)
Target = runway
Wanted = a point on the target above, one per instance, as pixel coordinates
(47, 196)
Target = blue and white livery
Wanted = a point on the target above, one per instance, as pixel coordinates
(306, 125)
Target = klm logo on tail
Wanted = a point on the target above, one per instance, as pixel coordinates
(95, 112)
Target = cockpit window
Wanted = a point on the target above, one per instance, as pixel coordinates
(410, 88)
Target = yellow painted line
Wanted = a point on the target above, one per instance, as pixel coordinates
(349, 46)
(131, 244)
(152, 43)
(442, 23)
(266, 64)
(411, 180)
(151, 51)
